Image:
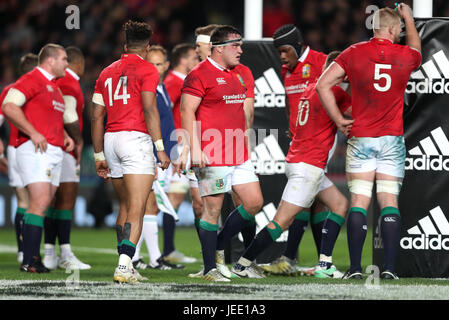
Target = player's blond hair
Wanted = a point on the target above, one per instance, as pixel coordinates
(384, 18)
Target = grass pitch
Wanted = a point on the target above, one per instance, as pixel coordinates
(97, 248)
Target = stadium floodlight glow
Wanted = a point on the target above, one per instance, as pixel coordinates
(253, 19)
(422, 8)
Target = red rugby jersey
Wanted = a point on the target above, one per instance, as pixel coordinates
(13, 131)
(315, 131)
(247, 78)
(220, 112)
(308, 70)
(173, 83)
(70, 86)
(44, 106)
(120, 85)
(378, 71)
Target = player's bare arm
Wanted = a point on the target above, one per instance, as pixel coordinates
(248, 108)
(69, 144)
(189, 105)
(97, 131)
(411, 34)
(152, 119)
(15, 114)
(71, 125)
(330, 78)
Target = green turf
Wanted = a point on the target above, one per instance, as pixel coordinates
(174, 284)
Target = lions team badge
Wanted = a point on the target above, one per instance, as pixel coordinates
(241, 80)
(306, 71)
(219, 183)
(48, 173)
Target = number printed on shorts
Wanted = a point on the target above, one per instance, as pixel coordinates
(123, 81)
(302, 120)
(379, 75)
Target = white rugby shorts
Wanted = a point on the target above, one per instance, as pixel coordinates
(15, 180)
(70, 171)
(129, 152)
(39, 167)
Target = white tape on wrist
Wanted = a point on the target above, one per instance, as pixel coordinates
(159, 145)
(99, 156)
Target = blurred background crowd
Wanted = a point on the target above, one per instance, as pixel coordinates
(26, 25)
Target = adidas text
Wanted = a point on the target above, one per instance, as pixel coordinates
(269, 167)
(423, 242)
(439, 86)
(269, 100)
(436, 163)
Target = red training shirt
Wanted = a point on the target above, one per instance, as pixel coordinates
(13, 131)
(173, 83)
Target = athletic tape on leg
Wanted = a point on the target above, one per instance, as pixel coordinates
(359, 186)
(388, 186)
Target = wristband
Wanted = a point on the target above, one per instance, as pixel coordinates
(159, 145)
(99, 156)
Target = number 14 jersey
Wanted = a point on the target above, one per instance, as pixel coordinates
(119, 89)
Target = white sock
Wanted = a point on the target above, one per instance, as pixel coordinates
(325, 258)
(49, 249)
(66, 250)
(124, 262)
(150, 234)
(136, 256)
(244, 262)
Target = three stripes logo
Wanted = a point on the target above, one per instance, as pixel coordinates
(431, 77)
(263, 218)
(269, 91)
(428, 233)
(268, 157)
(432, 153)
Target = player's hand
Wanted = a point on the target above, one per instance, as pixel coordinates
(39, 141)
(405, 11)
(180, 164)
(102, 169)
(164, 160)
(3, 164)
(69, 144)
(78, 152)
(288, 134)
(345, 126)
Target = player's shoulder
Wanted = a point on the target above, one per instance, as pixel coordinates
(242, 68)
(29, 78)
(109, 69)
(314, 54)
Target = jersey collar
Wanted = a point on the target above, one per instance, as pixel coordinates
(46, 74)
(304, 55)
(125, 55)
(216, 65)
(72, 73)
(380, 39)
(180, 75)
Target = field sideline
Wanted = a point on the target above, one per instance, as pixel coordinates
(96, 247)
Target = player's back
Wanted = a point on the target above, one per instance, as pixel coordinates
(378, 71)
(70, 86)
(121, 85)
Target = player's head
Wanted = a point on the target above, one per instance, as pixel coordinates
(53, 58)
(184, 57)
(75, 58)
(387, 24)
(330, 58)
(157, 56)
(226, 45)
(289, 42)
(137, 37)
(203, 44)
(27, 63)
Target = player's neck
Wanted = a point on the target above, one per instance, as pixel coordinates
(219, 60)
(47, 68)
(140, 53)
(384, 36)
(181, 70)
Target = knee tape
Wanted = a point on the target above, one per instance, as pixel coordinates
(359, 186)
(388, 186)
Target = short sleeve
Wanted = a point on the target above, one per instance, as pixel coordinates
(344, 58)
(26, 86)
(342, 98)
(193, 85)
(98, 93)
(149, 79)
(414, 56)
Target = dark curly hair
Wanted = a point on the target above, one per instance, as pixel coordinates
(138, 34)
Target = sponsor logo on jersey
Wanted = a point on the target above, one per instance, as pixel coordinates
(269, 91)
(432, 153)
(221, 81)
(431, 77)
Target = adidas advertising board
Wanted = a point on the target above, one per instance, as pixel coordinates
(270, 148)
(423, 249)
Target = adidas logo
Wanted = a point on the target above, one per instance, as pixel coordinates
(428, 233)
(263, 218)
(431, 77)
(269, 91)
(268, 158)
(432, 153)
